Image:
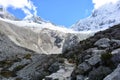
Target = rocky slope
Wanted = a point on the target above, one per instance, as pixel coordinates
(101, 18)
(14, 58)
(98, 57)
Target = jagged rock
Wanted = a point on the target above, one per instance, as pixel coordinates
(90, 50)
(54, 67)
(116, 41)
(94, 60)
(99, 73)
(98, 52)
(115, 75)
(116, 51)
(103, 43)
(83, 68)
(80, 77)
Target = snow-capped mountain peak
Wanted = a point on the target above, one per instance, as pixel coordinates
(101, 18)
(35, 19)
(6, 15)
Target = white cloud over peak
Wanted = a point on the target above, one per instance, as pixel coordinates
(25, 5)
(99, 3)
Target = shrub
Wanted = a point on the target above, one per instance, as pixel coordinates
(106, 56)
(18, 79)
(27, 56)
(19, 67)
(6, 63)
(106, 59)
(7, 73)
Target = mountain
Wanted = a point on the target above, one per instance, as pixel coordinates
(6, 15)
(101, 18)
(39, 35)
(45, 38)
(25, 45)
(34, 49)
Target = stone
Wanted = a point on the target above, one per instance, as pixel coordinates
(54, 67)
(116, 41)
(91, 49)
(116, 56)
(103, 43)
(80, 77)
(94, 60)
(83, 68)
(116, 51)
(98, 52)
(115, 75)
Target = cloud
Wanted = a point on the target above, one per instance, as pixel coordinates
(98, 3)
(25, 5)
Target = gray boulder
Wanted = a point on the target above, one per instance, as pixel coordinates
(116, 51)
(103, 43)
(116, 56)
(80, 77)
(94, 60)
(54, 67)
(116, 41)
(83, 68)
(98, 52)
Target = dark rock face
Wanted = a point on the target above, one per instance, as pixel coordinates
(99, 73)
(83, 68)
(54, 67)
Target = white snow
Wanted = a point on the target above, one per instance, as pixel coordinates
(101, 18)
(37, 27)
